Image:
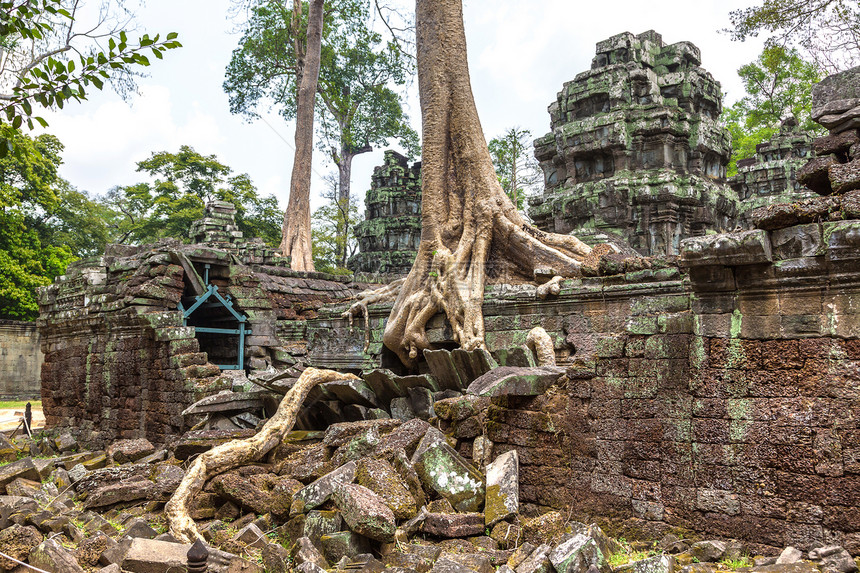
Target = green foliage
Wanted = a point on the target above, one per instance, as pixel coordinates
(516, 167)
(34, 36)
(183, 183)
(778, 85)
(332, 232)
(732, 564)
(36, 209)
(827, 30)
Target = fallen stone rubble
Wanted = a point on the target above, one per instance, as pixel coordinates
(359, 496)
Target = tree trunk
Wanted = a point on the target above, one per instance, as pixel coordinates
(240, 452)
(471, 231)
(344, 167)
(296, 235)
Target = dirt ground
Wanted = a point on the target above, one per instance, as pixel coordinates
(11, 417)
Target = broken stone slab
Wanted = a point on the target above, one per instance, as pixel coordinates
(352, 392)
(10, 504)
(729, 249)
(125, 491)
(655, 564)
(138, 527)
(151, 556)
(344, 544)
(128, 451)
(318, 492)
(521, 356)
(319, 522)
(577, 554)
(447, 565)
(261, 493)
(453, 525)
(227, 401)
(401, 409)
(21, 469)
(339, 434)
(815, 174)
(53, 557)
(387, 385)
(472, 364)
(8, 452)
(17, 541)
(514, 381)
(844, 177)
(444, 370)
(360, 446)
(307, 464)
(100, 478)
(199, 441)
(252, 536)
(783, 215)
(789, 555)
(446, 472)
(304, 551)
(708, 551)
(382, 479)
(503, 488)
(421, 402)
(538, 561)
(365, 512)
(833, 559)
(480, 563)
(406, 437)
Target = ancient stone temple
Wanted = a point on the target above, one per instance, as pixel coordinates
(635, 149)
(133, 337)
(771, 176)
(388, 237)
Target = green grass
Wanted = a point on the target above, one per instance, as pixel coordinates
(19, 404)
(742, 561)
(628, 555)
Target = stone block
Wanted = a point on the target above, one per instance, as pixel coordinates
(364, 512)
(444, 471)
(514, 381)
(344, 544)
(381, 478)
(453, 525)
(503, 488)
(52, 557)
(321, 490)
(24, 468)
(729, 249)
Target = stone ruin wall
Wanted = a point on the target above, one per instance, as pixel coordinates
(118, 361)
(20, 360)
(721, 396)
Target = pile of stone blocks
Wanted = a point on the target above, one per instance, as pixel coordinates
(771, 175)
(836, 106)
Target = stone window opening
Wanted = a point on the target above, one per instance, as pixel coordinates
(219, 328)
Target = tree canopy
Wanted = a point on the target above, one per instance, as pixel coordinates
(828, 30)
(357, 107)
(48, 57)
(515, 163)
(183, 183)
(778, 84)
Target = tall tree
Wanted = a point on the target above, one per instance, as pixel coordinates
(828, 30)
(471, 231)
(516, 167)
(48, 56)
(357, 106)
(28, 196)
(333, 229)
(182, 184)
(778, 84)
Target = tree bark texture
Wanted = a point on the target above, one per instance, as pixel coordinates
(471, 231)
(239, 452)
(296, 233)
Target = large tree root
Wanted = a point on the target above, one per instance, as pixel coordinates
(238, 452)
(388, 293)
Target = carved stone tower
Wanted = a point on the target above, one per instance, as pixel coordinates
(635, 149)
(388, 238)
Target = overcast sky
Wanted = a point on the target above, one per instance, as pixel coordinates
(520, 52)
